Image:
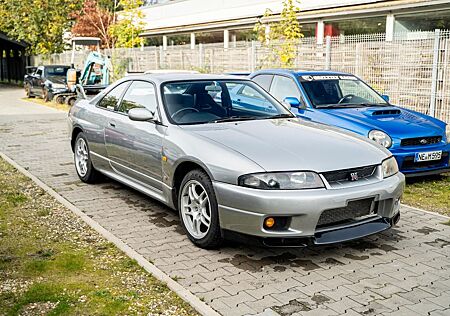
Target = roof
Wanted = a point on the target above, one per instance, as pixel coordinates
(299, 72)
(167, 77)
(13, 42)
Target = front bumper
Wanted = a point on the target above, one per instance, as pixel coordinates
(243, 210)
(405, 159)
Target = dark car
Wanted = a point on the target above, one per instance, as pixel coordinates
(46, 81)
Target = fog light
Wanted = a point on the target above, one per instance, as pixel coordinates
(269, 222)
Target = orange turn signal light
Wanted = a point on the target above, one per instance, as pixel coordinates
(269, 222)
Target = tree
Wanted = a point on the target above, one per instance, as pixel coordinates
(41, 23)
(94, 20)
(282, 37)
(128, 25)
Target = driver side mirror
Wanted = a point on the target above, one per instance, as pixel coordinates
(293, 102)
(140, 115)
(385, 97)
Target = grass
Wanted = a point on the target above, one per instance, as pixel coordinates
(51, 104)
(52, 263)
(430, 193)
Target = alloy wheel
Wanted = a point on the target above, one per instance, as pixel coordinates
(81, 157)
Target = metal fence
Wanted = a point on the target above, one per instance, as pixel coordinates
(413, 68)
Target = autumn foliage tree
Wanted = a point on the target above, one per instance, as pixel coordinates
(94, 20)
(129, 24)
(282, 37)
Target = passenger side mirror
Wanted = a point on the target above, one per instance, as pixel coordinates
(385, 97)
(140, 114)
(292, 101)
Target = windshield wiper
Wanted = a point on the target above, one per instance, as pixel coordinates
(234, 118)
(282, 115)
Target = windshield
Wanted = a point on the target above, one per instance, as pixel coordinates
(199, 102)
(56, 71)
(341, 91)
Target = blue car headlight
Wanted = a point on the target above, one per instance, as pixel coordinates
(297, 180)
(389, 166)
(381, 138)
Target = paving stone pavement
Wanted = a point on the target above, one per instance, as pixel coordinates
(404, 271)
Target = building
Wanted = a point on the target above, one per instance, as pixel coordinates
(228, 21)
(12, 59)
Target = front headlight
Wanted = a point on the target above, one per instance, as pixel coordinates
(58, 85)
(381, 138)
(390, 167)
(447, 133)
(282, 180)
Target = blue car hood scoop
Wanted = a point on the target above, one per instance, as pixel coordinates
(383, 112)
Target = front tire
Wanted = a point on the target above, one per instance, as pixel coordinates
(28, 91)
(83, 164)
(198, 209)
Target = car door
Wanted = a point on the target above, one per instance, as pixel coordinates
(37, 81)
(283, 87)
(248, 98)
(135, 148)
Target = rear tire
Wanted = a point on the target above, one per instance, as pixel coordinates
(59, 99)
(83, 164)
(199, 215)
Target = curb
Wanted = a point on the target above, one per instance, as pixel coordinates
(200, 306)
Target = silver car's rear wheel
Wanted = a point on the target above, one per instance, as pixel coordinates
(195, 209)
(81, 157)
(83, 164)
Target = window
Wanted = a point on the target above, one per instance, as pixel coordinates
(248, 91)
(56, 71)
(39, 72)
(264, 81)
(111, 99)
(140, 94)
(283, 87)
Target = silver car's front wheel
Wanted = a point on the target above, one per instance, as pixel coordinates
(81, 157)
(195, 209)
(198, 209)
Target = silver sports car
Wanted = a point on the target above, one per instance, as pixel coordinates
(233, 168)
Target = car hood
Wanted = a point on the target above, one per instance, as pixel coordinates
(57, 79)
(396, 121)
(290, 144)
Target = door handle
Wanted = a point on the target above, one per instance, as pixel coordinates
(112, 124)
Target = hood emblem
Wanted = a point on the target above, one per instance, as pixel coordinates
(423, 141)
(354, 176)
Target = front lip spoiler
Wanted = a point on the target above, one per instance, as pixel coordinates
(412, 174)
(337, 235)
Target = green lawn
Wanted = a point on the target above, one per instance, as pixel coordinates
(430, 193)
(52, 263)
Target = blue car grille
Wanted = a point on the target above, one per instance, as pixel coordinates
(352, 211)
(421, 141)
(345, 175)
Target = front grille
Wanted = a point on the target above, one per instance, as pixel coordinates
(352, 211)
(410, 164)
(421, 141)
(345, 175)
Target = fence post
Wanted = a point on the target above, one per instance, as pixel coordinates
(253, 57)
(161, 57)
(434, 71)
(200, 55)
(328, 52)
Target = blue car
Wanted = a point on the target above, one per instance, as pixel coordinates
(420, 143)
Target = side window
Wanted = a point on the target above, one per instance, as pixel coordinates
(264, 81)
(283, 87)
(140, 94)
(111, 99)
(248, 91)
(39, 72)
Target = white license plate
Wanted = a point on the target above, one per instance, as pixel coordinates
(428, 156)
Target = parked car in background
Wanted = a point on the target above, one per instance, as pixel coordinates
(232, 168)
(46, 81)
(419, 143)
